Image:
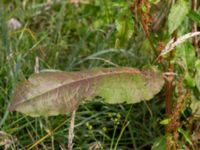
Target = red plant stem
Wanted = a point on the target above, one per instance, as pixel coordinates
(168, 97)
(194, 29)
(169, 84)
(169, 90)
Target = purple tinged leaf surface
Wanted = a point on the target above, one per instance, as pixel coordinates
(54, 93)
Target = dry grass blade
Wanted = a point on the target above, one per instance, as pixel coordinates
(172, 44)
(71, 130)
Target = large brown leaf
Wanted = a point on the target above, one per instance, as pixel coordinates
(53, 93)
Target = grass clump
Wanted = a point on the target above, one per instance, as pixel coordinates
(67, 36)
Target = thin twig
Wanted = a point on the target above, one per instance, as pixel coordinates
(71, 131)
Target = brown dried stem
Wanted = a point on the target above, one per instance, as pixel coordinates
(169, 90)
(71, 130)
(194, 29)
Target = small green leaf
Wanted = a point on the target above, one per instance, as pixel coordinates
(144, 8)
(186, 53)
(189, 81)
(185, 135)
(165, 121)
(160, 144)
(177, 14)
(197, 76)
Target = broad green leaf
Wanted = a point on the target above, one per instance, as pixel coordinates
(53, 93)
(197, 76)
(195, 106)
(189, 81)
(186, 135)
(197, 66)
(160, 144)
(195, 17)
(124, 26)
(177, 14)
(186, 52)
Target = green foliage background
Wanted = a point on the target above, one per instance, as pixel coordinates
(68, 37)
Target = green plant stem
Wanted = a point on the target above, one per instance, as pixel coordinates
(46, 136)
(120, 135)
(125, 124)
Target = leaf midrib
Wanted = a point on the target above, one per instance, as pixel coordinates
(110, 72)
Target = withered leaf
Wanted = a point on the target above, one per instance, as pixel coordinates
(53, 93)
